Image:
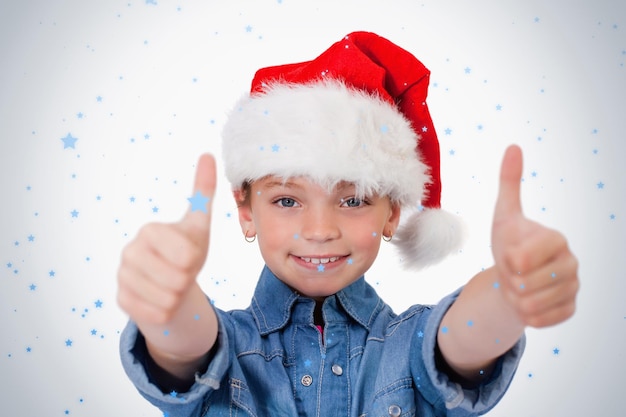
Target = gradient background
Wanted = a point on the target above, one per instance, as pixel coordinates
(145, 86)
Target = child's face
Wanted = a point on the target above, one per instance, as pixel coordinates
(315, 241)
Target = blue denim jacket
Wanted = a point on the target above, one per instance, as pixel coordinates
(271, 360)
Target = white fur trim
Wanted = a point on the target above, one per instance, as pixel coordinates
(428, 236)
(329, 133)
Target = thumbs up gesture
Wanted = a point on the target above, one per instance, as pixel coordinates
(159, 267)
(537, 273)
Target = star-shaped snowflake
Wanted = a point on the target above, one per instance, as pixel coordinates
(199, 202)
(69, 141)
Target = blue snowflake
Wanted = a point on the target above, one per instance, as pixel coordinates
(199, 202)
(69, 141)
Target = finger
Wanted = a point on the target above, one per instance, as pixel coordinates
(140, 312)
(549, 298)
(163, 273)
(562, 271)
(509, 202)
(198, 217)
(538, 248)
(557, 314)
(143, 288)
(143, 301)
(537, 308)
(168, 243)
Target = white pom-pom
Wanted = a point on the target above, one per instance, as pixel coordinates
(428, 236)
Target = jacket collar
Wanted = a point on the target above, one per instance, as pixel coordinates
(273, 301)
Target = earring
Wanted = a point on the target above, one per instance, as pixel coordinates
(387, 239)
(249, 239)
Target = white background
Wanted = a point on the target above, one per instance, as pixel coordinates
(145, 86)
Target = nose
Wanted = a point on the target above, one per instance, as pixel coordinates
(319, 224)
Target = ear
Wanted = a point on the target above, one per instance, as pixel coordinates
(245, 213)
(394, 219)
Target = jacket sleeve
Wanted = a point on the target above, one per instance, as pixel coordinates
(444, 392)
(194, 402)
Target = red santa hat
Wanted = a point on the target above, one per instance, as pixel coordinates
(355, 113)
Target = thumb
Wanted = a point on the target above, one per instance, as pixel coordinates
(198, 216)
(509, 202)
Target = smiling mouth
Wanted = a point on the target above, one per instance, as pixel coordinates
(317, 261)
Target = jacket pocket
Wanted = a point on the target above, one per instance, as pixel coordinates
(241, 401)
(395, 400)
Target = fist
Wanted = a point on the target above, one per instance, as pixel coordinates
(161, 264)
(537, 271)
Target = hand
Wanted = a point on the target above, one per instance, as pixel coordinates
(537, 272)
(161, 264)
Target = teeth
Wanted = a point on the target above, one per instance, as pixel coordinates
(317, 261)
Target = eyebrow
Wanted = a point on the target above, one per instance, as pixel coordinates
(290, 184)
(277, 183)
(343, 185)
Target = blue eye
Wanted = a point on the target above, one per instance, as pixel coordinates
(353, 202)
(286, 202)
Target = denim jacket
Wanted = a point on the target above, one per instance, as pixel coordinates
(270, 361)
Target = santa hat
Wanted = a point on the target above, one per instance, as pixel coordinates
(355, 113)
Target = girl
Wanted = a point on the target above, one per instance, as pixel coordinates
(323, 157)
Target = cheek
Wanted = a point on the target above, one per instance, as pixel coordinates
(366, 227)
(365, 236)
(273, 233)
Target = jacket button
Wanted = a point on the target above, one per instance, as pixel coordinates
(306, 380)
(395, 410)
(337, 370)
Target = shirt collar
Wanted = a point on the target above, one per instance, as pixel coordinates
(273, 300)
